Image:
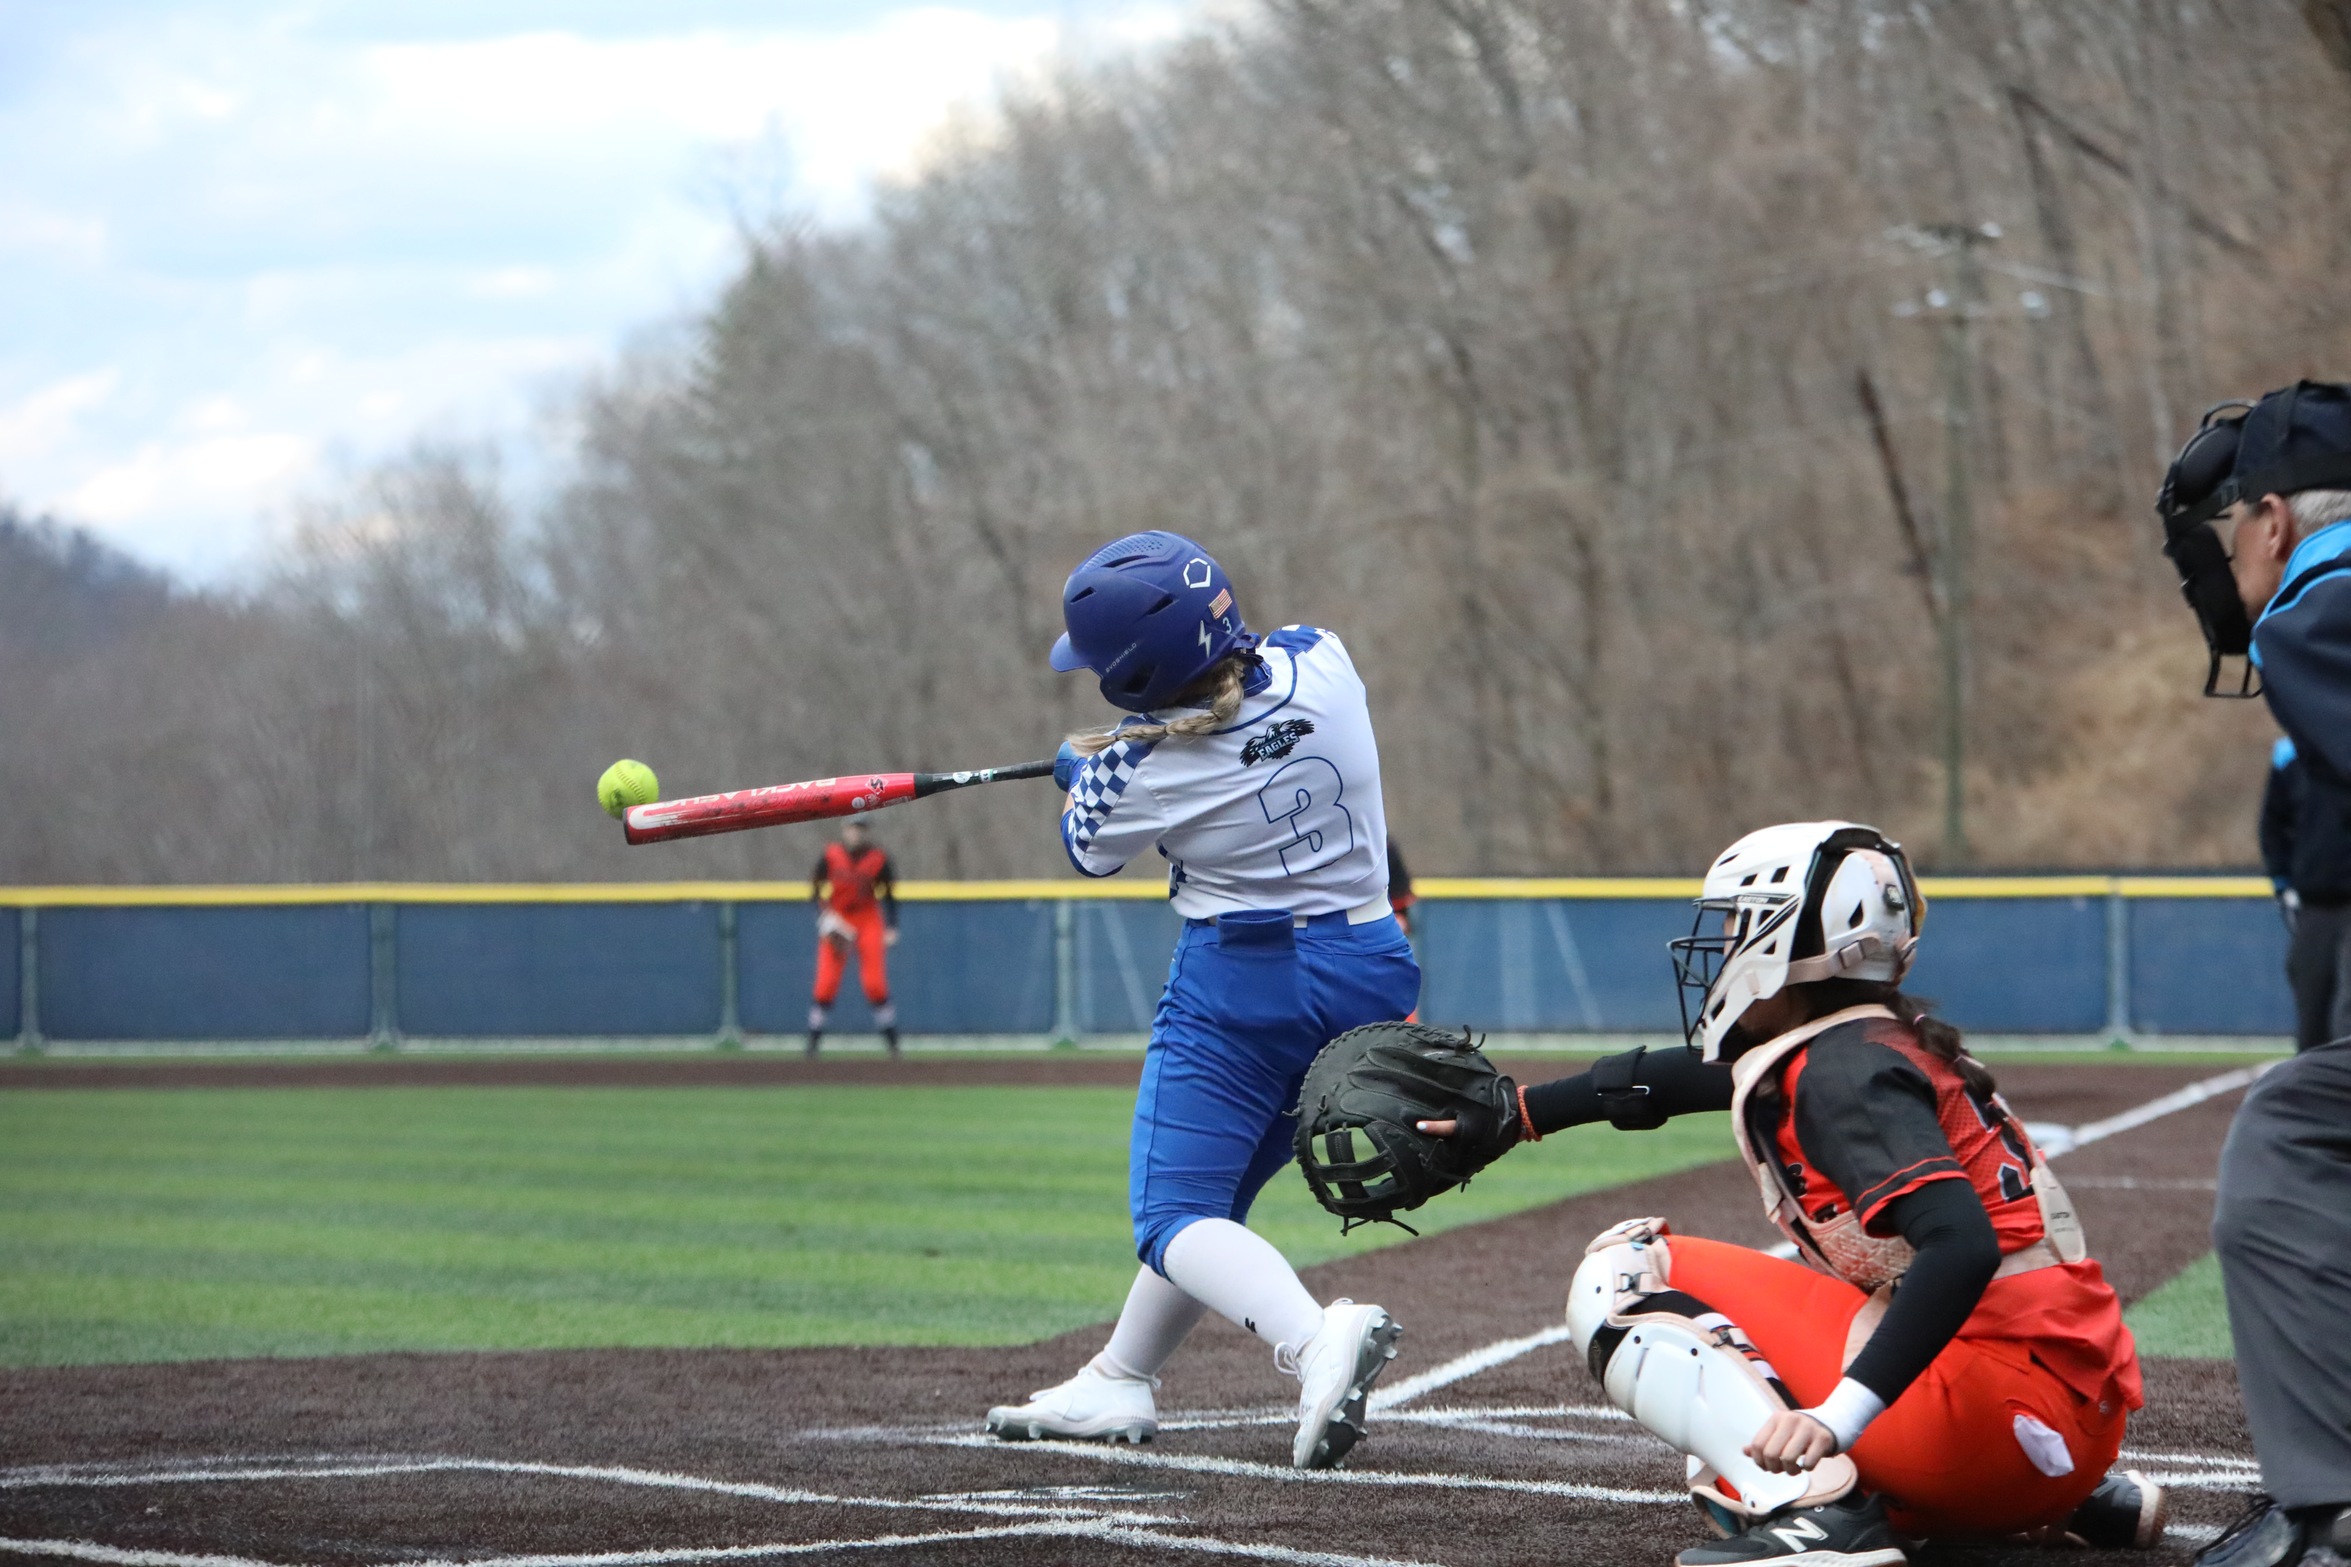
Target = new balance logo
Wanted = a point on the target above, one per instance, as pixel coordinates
(1797, 1533)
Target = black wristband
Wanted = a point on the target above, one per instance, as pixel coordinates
(1630, 1106)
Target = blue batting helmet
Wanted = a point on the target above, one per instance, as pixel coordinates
(1149, 614)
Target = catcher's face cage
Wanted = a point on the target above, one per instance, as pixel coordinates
(2199, 488)
(1723, 926)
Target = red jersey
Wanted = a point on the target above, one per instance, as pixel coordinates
(1864, 1112)
(850, 883)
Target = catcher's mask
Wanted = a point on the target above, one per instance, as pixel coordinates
(1789, 905)
(2201, 485)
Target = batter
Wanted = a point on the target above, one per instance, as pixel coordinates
(1251, 768)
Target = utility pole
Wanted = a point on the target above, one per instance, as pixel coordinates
(1959, 304)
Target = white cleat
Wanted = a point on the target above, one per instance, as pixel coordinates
(1089, 1407)
(1335, 1374)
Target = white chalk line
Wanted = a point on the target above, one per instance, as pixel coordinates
(91, 1551)
(1440, 1414)
(2191, 1470)
(2157, 1109)
(2207, 1479)
(2137, 1455)
(2134, 1183)
(1060, 1521)
(222, 1471)
(1091, 1529)
(1462, 1367)
(1239, 1468)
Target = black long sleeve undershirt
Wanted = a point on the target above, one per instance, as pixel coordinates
(1944, 1221)
(1678, 1083)
(1958, 1253)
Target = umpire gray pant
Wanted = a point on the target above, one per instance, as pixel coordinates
(2318, 966)
(2282, 1226)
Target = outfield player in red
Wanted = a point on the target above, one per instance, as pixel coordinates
(1946, 1359)
(856, 895)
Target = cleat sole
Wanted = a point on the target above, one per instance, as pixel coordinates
(1036, 1431)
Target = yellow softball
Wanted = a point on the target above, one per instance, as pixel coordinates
(624, 784)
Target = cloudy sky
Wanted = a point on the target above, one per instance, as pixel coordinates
(248, 244)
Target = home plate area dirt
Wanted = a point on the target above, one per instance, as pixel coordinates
(1492, 1444)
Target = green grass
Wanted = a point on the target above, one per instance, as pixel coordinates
(156, 1225)
(2187, 1317)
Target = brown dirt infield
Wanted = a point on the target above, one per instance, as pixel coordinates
(648, 1457)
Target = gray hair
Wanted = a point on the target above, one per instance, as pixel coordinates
(2315, 509)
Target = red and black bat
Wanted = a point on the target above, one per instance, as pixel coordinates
(809, 800)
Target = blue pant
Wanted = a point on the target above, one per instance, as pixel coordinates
(1249, 1001)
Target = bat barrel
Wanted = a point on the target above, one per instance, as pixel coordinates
(813, 799)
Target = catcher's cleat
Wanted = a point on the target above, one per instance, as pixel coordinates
(1335, 1374)
(1849, 1532)
(2126, 1512)
(2266, 1535)
(1089, 1407)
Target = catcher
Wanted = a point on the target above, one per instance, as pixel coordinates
(1946, 1360)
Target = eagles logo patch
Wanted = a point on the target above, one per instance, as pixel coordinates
(1278, 741)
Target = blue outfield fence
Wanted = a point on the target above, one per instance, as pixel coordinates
(204, 973)
(958, 968)
(2123, 956)
(12, 1005)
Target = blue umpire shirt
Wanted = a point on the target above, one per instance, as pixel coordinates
(2302, 646)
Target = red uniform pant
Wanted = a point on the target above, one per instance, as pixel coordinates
(1946, 1455)
(832, 954)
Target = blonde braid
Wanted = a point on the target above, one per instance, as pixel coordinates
(1219, 691)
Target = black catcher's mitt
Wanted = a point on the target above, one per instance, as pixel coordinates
(1358, 1139)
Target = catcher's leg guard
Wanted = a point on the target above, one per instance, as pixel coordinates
(1687, 1373)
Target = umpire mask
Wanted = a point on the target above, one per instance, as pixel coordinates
(2200, 486)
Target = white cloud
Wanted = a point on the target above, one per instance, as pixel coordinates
(162, 480)
(34, 426)
(259, 245)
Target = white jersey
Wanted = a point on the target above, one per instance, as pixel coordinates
(1278, 810)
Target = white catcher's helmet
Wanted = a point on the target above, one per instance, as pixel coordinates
(1788, 905)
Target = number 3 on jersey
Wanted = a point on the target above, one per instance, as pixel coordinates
(1303, 799)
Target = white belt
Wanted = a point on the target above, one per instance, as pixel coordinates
(1361, 914)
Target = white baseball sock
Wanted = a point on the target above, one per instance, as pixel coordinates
(1240, 1277)
(1155, 1320)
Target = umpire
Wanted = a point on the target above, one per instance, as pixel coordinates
(2257, 517)
(2306, 848)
